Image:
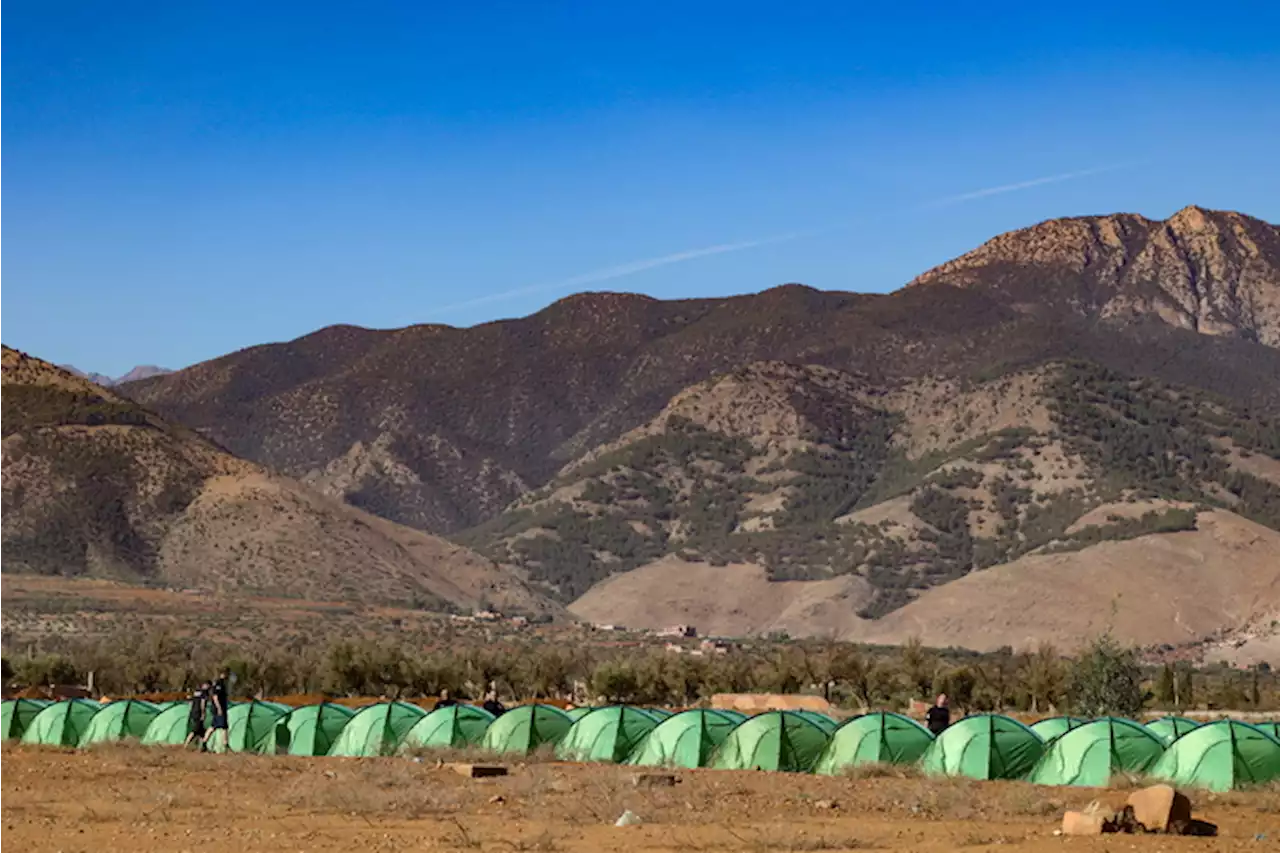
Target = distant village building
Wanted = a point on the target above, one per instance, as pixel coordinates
(679, 631)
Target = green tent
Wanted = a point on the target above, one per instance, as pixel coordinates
(686, 739)
(1271, 727)
(879, 738)
(1169, 729)
(1090, 754)
(62, 723)
(525, 728)
(451, 727)
(16, 715)
(249, 724)
(169, 727)
(309, 730)
(822, 720)
(1220, 756)
(606, 734)
(376, 730)
(127, 718)
(579, 712)
(776, 740)
(984, 746)
(659, 714)
(1052, 727)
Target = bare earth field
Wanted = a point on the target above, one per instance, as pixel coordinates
(142, 800)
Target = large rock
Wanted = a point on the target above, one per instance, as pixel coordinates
(1159, 807)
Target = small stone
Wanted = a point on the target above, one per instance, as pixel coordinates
(497, 799)
(826, 804)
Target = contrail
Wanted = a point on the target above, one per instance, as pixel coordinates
(632, 267)
(1009, 188)
(618, 271)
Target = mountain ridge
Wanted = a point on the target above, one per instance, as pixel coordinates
(97, 486)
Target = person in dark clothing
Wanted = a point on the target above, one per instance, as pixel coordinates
(939, 716)
(195, 717)
(445, 701)
(492, 705)
(218, 704)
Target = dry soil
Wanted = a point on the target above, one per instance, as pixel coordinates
(144, 800)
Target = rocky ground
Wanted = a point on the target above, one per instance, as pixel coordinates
(141, 800)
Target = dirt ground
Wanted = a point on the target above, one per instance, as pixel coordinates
(140, 800)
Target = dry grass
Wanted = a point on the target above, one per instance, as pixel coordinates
(369, 788)
(883, 770)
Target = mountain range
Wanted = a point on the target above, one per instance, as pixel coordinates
(142, 371)
(1074, 412)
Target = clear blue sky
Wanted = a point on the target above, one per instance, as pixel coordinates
(184, 179)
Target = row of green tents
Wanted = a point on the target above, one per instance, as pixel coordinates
(1221, 755)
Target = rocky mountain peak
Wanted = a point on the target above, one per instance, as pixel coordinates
(1211, 271)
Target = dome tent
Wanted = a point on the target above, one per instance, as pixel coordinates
(376, 730)
(1220, 756)
(449, 727)
(525, 728)
(606, 734)
(686, 739)
(1089, 755)
(169, 727)
(984, 746)
(579, 712)
(1169, 729)
(309, 730)
(249, 724)
(659, 714)
(1052, 727)
(62, 723)
(17, 714)
(127, 718)
(878, 738)
(822, 720)
(1271, 727)
(774, 740)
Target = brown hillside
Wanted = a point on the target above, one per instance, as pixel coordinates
(809, 473)
(1170, 588)
(1158, 589)
(96, 486)
(440, 428)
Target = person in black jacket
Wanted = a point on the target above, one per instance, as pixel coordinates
(939, 716)
(492, 705)
(195, 716)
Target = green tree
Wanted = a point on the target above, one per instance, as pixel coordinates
(1167, 687)
(1043, 677)
(44, 670)
(918, 667)
(996, 675)
(959, 684)
(1106, 680)
(615, 680)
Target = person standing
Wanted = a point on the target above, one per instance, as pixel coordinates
(218, 701)
(939, 716)
(195, 717)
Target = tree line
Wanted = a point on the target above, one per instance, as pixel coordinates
(1104, 678)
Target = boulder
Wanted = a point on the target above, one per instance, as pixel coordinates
(1082, 823)
(1159, 807)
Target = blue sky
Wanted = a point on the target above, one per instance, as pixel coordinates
(185, 179)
